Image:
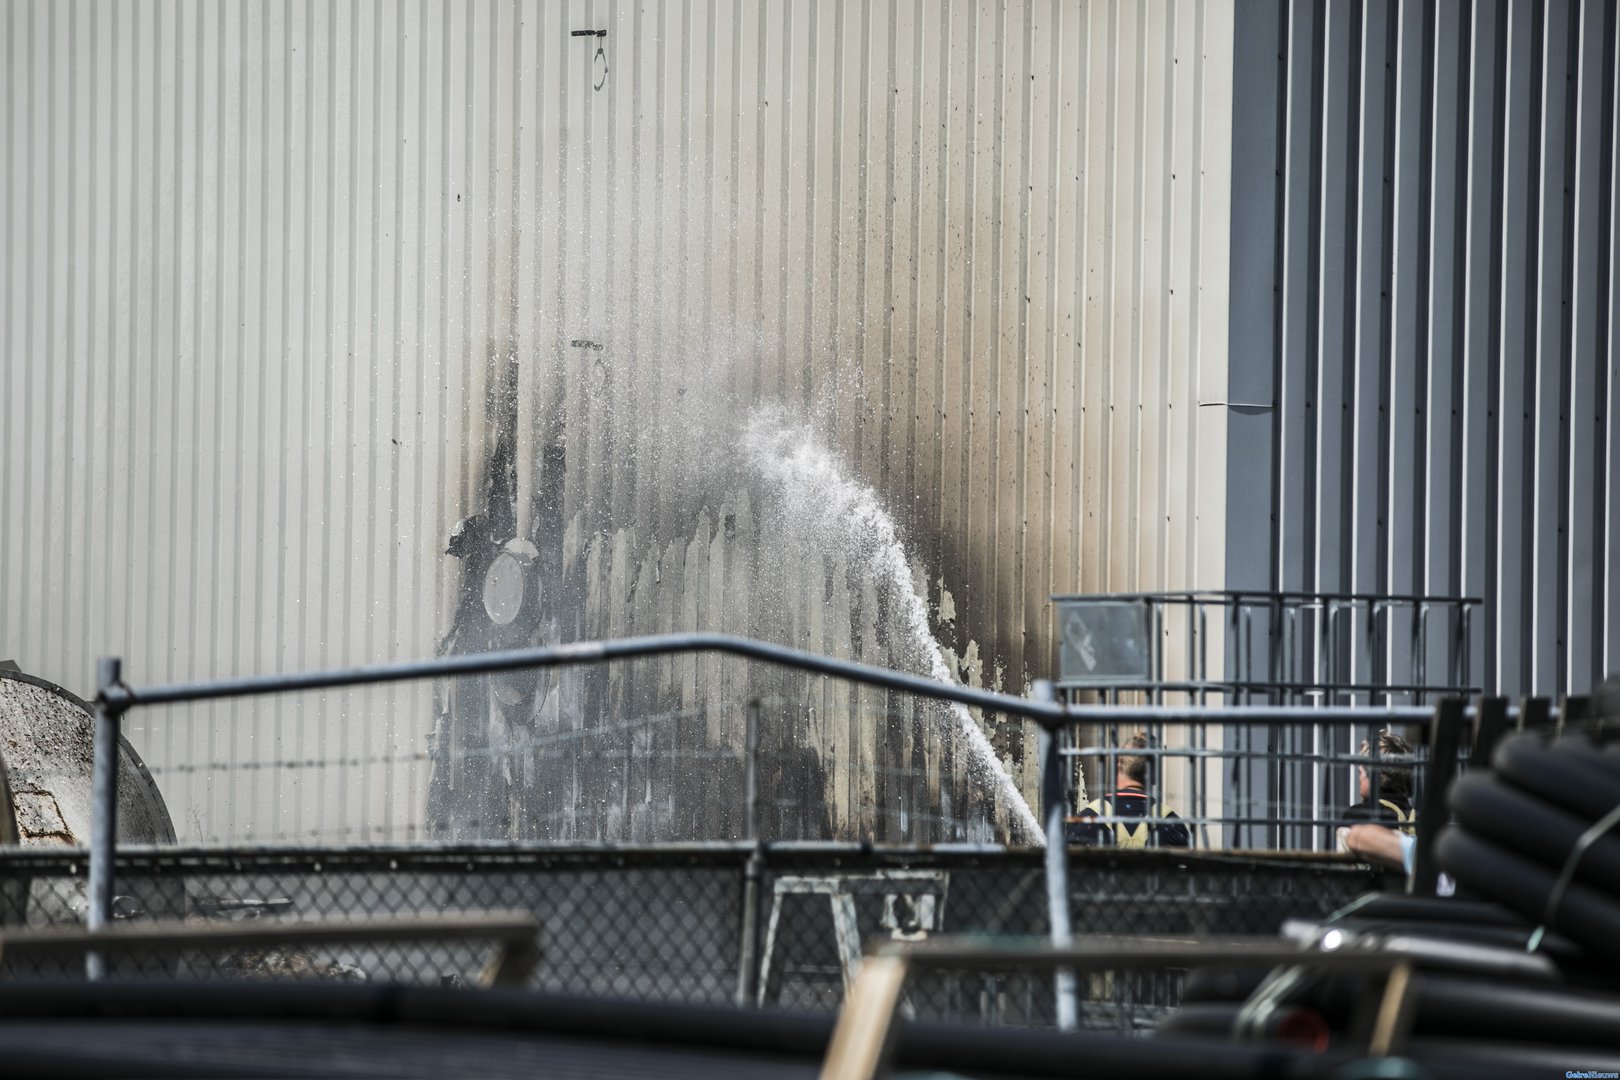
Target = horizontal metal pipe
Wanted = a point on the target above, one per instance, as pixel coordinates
(141, 858)
(1270, 598)
(504, 926)
(1331, 715)
(1394, 761)
(584, 652)
(1369, 953)
(1231, 686)
(587, 652)
(1107, 954)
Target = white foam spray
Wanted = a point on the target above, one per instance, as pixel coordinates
(824, 508)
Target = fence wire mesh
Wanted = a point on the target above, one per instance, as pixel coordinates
(666, 924)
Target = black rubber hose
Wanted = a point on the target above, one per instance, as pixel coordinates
(1557, 947)
(1293, 1024)
(1457, 1005)
(1450, 1005)
(1580, 784)
(1203, 1018)
(1584, 915)
(1398, 907)
(508, 1015)
(1527, 1058)
(1575, 744)
(1525, 824)
(1217, 984)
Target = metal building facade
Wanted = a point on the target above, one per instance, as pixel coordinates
(275, 272)
(1423, 343)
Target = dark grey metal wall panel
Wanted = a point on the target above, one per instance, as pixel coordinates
(1441, 422)
(1255, 250)
(1370, 247)
(1549, 299)
(1439, 345)
(1301, 179)
(1587, 379)
(1326, 386)
(1607, 517)
(1403, 352)
(1513, 273)
(1481, 184)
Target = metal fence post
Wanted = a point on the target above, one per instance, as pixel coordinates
(1491, 717)
(753, 870)
(103, 809)
(751, 770)
(1444, 737)
(1054, 807)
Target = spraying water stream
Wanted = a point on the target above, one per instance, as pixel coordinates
(826, 510)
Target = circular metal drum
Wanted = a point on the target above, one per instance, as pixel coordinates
(46, 751)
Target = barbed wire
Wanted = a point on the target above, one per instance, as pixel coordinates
(618, 755)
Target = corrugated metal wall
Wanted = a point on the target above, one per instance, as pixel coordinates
(983, 255)
(235, 328)
(1424, 243)
(984, 245)
(276, 271)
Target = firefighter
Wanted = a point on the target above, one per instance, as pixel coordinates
(1125, 817)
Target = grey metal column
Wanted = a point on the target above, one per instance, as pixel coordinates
(1054, 806)
(103, 809)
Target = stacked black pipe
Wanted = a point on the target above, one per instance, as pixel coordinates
(1535, 852)
(1518, 828)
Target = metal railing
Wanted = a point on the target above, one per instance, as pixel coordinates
(115, 697)
(1290, 781)
(1287, 786)
(1442, 728)
(1243, 646)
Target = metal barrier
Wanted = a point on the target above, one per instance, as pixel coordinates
(115, 698)
(1282, 648)
(773, 926)
(1290, 777)
(1290, 785)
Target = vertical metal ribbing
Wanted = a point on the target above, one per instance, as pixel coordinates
(1054, 804)
(103, 808)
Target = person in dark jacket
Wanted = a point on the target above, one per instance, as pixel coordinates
(1121, 817)
(1391, 805)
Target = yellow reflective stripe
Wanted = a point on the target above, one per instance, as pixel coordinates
(1407, 819)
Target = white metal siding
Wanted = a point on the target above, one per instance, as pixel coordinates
(264, 261)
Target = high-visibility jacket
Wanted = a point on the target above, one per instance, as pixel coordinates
(1107, 822)
(1393, 812)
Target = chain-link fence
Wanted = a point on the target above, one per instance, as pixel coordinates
(668, 924)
